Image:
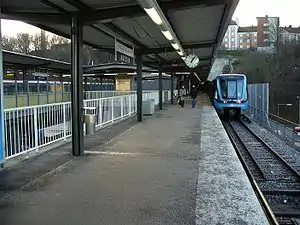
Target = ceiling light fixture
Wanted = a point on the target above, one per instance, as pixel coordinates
(175, 46)
(168, 35)
(180, 53)
(154, 15)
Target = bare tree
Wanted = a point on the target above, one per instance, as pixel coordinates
(40, 41)
(36, 41)
(23, 42)
(58, 40)
(9, 43)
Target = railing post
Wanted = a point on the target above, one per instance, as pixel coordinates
(65, 122)
(129, 104)
(100, 112)
(35, 119)
(112, 109)
(122, 107)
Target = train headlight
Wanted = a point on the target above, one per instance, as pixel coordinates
(224, 101)
(239, 101)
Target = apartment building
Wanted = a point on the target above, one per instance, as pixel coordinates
(247, 37)
(230, 40)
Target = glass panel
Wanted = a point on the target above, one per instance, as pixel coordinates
(232, 89)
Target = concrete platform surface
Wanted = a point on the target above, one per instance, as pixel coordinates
(155, 172)
(225, 195)
(148, 175)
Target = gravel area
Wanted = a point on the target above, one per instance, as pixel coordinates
(283, 202)
(290, 154)
(278, 185)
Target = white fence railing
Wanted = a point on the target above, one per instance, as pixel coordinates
(30, 128)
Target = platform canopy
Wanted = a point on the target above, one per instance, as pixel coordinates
(113, 68)
(25, 61)
(197, 26)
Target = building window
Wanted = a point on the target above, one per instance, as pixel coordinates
(232, 39)
(248, 40)
(248, 46)
(255, 34)
(226, 39)
(241, 40)
(226, 45)
(241, 46)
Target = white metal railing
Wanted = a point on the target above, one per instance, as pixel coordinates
(30, 128)
(105, 94)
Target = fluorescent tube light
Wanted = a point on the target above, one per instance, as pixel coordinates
(180, 53)
(168, 35)
(176, 46)
(154, 15)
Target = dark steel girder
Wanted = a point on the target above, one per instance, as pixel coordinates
(115, 29)
(106, 15)
(185, 69)
(30, 66)
(54, 6)
(176, 61)
(60, 33)
(50, 18)
(184, 46)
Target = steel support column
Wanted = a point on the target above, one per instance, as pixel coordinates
(172, 88)
(2, 150)
(139, 87)
(160, 89)
(16, 90)
(77, 87)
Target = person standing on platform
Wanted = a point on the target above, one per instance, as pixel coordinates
(180, 100)
(194, 94)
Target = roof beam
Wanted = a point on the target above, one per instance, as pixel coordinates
(176, 61)
(63, 34)
(171, 69)
(107, 15)
(115, 29)
(54, 6)
(51, 18)
(79, 5)
(186, 46)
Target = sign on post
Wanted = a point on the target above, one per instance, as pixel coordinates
(124, 53)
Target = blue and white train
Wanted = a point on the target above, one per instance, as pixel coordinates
(230, 94)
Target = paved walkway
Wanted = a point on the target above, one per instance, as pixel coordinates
(146, 175)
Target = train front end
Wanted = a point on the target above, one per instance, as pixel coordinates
(231, 94)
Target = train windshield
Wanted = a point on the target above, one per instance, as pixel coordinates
(232, 88)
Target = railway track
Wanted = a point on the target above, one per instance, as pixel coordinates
(271, 172)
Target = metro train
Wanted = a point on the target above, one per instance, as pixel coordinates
(230, 94)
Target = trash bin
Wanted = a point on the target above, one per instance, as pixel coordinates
(90, 120)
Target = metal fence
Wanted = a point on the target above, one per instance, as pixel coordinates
(259, 111)
(30, 128)
(281, 127)
(259, 96)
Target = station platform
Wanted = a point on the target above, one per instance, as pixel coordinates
(176, 167)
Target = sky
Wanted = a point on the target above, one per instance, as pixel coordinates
(246, 12)
(287, 10)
